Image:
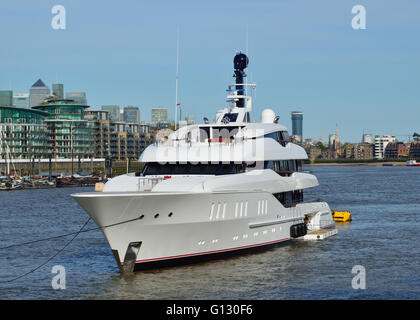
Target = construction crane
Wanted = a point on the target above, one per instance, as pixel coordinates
(322, 135)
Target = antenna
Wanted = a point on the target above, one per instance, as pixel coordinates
(177, 75)
(246, 52)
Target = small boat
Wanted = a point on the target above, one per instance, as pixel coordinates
(341, 216)
(10, 184)
(412, 163)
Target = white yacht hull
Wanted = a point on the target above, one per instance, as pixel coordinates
(148, 229)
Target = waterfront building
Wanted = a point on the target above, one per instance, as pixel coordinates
(131, 114)
(6, 97)
(159, 115)
(21, 100)
(359, 151)
(396, 150)
(415, 150)
(118, 140)
(297, 125)
(58, 90)
(364, 151)
(23, 134)
(126, 140)
(38, 93)
(100, 123)
(328, 154)
(381, 143)
(114, 112)
(314, 153)
(79, 97)
(71, 136)
(350, 150)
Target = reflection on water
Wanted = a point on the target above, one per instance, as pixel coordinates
(382, 237)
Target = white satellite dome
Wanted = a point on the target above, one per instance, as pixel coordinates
(268, 116)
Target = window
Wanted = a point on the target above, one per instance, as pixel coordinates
(153, 168)
(229, 117)
(281, 137)
(284, 167)
(290, 198)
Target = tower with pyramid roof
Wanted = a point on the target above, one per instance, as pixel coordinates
(37, 93)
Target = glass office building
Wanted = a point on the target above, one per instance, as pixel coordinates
(21, 100)
(58, 90)
(79, 97)
(297, 125)
(131, 114)
(159, 115)
(37, 93)
(6, 97)
(114, 112)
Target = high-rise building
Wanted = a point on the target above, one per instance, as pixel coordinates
(131, 114)
(79, 97)
(58, 90)
(159, 115)
(6, 97)
(114, 112)
(297, 125)
(21, 100)
(37, 93)
(367, 138)
(381, 143)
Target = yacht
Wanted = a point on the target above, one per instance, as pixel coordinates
(211, 190)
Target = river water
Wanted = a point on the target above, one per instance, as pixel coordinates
(383, 238)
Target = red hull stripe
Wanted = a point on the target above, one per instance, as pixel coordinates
(215, 251)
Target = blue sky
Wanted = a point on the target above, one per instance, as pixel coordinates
(303, 55)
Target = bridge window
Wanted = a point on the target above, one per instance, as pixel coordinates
(289, 199)
(281, 137)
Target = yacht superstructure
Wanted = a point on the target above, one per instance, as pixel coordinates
(210, 189)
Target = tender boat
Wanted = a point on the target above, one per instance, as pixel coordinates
(210, 190)
(412, 163)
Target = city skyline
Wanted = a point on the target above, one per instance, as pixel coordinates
(301, 57)
(400, 137)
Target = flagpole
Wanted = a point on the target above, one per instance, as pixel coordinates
(177, 75)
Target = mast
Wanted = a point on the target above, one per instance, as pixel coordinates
(177, 76)
(240, 62)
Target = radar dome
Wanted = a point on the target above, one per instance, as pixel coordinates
(268, 116)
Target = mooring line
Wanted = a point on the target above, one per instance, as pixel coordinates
(62, 249)
(49, 259)
(66, 235)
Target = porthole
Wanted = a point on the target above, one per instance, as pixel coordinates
(142, 216)
(156, 215)
(170, 214)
